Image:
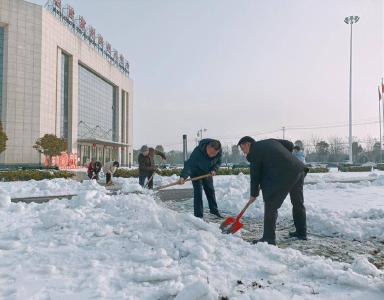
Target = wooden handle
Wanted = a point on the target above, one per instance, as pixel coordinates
(189, 179)
(199, 177)
(150, 178)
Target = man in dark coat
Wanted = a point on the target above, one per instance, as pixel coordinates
(204, 159)
(147, 165)
(277, 172)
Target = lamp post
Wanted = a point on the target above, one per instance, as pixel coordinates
(350, 21)
(200, 134)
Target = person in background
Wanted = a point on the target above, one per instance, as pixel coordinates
(205, 159)
(278, 173)
(147, 165)
(298, 151)
(109, 169)
(94, 169)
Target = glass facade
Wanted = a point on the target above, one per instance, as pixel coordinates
(1, 69)
(86, 152)
(97, 107)
(64, 96)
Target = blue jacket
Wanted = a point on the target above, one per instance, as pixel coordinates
(199, 163)
(300, 155)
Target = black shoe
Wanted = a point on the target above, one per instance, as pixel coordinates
(263, 240)
(298, 235)
(217, 214)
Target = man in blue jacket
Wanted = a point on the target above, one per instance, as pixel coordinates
(278, 173)
(205, 158)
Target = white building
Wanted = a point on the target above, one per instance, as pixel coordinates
(58, 76)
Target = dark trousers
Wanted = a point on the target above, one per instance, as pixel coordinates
(93, 175)
(274, 202)
(108, 178)
(207, 185)
(148, 176)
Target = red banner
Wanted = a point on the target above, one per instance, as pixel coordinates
(63, 161)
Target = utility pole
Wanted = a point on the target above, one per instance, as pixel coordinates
(283, 129)
(381, 137)
(185, 151)
(382, 100)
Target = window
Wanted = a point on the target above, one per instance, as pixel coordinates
(97, 107)
(64, 96)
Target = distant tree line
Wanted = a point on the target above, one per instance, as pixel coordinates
(333, 150)
(336, 149)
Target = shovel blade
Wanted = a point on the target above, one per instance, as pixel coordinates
(231, 225)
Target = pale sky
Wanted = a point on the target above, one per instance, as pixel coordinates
(244, 67)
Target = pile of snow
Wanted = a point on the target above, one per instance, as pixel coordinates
(350, 210)
(340, 176)
(46, 187)
(131, 247)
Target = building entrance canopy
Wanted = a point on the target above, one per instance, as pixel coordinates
(97, 149)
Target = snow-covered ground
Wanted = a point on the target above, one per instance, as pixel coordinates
(133, 247)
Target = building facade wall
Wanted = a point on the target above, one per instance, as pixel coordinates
(37, 42)
(21, 79)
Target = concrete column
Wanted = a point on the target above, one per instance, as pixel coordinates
(58, 92)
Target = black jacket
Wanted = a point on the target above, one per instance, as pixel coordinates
(147, 163)
(199, 163)
(273, 167)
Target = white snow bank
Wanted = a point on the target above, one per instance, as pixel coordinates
(130, 247)
(351, 210)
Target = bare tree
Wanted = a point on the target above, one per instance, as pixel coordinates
(369, 143)
(336, 147)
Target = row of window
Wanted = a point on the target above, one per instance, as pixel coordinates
(97, 106)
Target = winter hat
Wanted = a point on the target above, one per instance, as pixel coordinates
(245, 139)
(299, 144)
(144, 148)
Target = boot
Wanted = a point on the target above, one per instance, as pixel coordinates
(299, 236)
(264, 240)
(217, 214)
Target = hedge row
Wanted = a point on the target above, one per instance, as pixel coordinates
(135, 172)
(222, 171)
(318, 170)
(23, 175)
(354, 169)
(169, 172)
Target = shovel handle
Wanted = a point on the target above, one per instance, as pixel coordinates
(189, 179)
(250, 201)
(150, 178)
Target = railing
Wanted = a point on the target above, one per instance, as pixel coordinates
(95, 132)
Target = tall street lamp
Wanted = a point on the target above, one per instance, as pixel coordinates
(350, 21)
(200, 134)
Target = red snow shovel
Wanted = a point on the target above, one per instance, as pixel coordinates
(231, 224)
